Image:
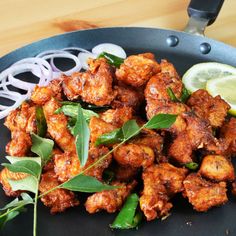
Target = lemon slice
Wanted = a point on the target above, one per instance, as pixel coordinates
(198, 75)
(226, 88)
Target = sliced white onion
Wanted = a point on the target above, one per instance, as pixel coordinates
(75, 49)
(50, 52)
(109, 48)
(77, 66)
(83, 57)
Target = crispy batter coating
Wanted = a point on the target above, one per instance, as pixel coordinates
(93, 86)
(58, 200)
(233, 190)
(117, 117)
(168, 68)
(41, 95)
(134, 155)
(138, 69)
(217, 168)
(23, 118)
(161, 182)
(20, 144)
(57, 126)
(198, 134)
(152, 140)
(125, 173)
(214, 109)
(109, 200)
(67, 164)
(127, 97)
(5, 175)
(98, 127)
(228, 134)
(203, 194)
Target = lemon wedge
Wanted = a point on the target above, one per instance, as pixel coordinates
(226, 88)
(198, 75)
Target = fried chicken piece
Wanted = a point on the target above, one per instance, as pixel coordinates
(58, 200)
(5, 176)
(138, 69)
(20, 144)
(117, 117)
(41, 95)
(98, 127)
(152, 140)
(217, 168)
(22, 118)
(109, 200)
(214, 109)
(93, 86)
(57, 126)
(127, 97)
(203, 194)
(161, 182)
(134, 155)
(228, 134)
(125, 173)
(67, 164)
(197, 134)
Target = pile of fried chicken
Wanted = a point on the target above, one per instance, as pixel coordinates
(154, 162)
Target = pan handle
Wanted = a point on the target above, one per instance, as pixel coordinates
(202, 13)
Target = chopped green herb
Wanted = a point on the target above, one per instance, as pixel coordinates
(191, 165)
(112, 59)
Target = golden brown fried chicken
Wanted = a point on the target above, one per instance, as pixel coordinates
(5, 176)
(152, 140)
(58, 200)
(109, 200)
(197, 134)
(233, 190)
(67, 164)
(57, 126)
(203, 194)
(93, 86)
(20, 144)
(168, 68)
(125, 173)
(138, 69)
(23, 119)
(228, 134)
(217, 168)
(117, 117)
(214, 109)
(98, 127)
(134, 155)
(161, 182)
(41, 95)
(127, 97)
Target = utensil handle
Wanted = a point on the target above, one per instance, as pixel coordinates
(202, 13)
(205, 9)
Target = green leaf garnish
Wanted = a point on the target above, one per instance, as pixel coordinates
(185, 95)
(127, 219)
(41, 122)
(86, 184)
(191, 165)
(130, 129)
(82, 136)
(25, 166)
(42, 147)
(114, 136)
(161, 121)
(112, 59)
(172, 95)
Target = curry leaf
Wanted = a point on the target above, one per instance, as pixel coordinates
(172, 95)
(8, 217)
(81, 130)
(127, 219)
(25, 166)
(112, 59)
(185, 95)
(30, 183)
(13, 160)
(191, 165)
(42, 147)
(130, 128)
(41, 122)
(87, 184)
(161, 121)
(114, 136)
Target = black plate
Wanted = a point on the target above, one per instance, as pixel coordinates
(183, 220)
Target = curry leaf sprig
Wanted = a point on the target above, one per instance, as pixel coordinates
(184, 96)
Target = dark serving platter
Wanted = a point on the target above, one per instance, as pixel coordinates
(183, 220)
